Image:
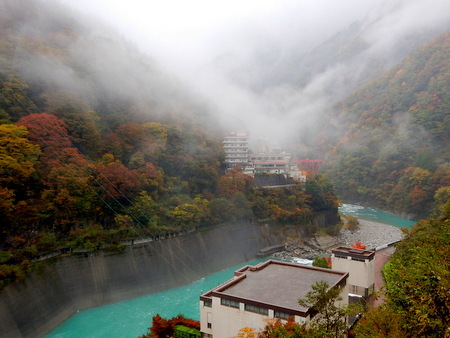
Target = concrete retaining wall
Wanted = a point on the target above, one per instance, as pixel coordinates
(58, 287)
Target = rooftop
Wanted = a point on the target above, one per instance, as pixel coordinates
(354, 253)
(275, 284)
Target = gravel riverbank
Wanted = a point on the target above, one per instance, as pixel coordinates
(371, 234)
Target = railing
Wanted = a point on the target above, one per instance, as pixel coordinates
(129, 242)
(384, 246)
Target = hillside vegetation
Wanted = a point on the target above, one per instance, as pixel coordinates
(98, 145)
(394, 151)
(417, 283)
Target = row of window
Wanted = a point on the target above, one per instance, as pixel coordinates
(235, 139)
(270, 165)
(256, 309)
(234, 144)
(267, 158)
(353, 258)
(282, 315)
(230, 303)
(251, 308)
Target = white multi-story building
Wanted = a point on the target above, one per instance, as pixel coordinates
(271, 163)
(270, 159)
(235, 147)
(258, 293)
(360, 265)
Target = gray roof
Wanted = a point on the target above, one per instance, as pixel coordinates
(276, 284)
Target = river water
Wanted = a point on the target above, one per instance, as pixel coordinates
(370, 214)
(131, 318)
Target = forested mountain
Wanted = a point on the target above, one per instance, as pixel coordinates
(299, 76)
(350, 53)
(318, 69)
(101, 114)
(97, 144)
(62, 63)
(394, 151)
(417, 284)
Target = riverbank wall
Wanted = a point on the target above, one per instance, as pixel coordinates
(59, 287)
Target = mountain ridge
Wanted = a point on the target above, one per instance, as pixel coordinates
(396, 132)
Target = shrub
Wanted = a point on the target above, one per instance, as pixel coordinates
(321, 262)
(351, 223)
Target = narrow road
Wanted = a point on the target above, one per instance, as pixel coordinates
(381, 258)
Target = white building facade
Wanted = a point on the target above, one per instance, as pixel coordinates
(235, 147)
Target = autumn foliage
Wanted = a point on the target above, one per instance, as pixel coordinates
(162, 328)
(394, 152)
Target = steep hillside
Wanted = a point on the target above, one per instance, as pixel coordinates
(59, 62)
(336, 64)
(395, 149)
(417, 283)
(96, 142)
(98, 145)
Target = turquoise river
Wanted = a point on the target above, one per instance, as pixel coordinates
(131, 318)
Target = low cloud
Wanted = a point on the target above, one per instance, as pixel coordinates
(274, 67)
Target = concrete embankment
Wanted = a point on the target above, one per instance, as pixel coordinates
(61, 286)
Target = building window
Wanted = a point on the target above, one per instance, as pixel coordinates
(282, 315)
(230, 303)
(257, 309)
(207, 303)
(359, 290)
(209, 325)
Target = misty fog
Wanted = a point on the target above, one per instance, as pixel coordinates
(272, 67)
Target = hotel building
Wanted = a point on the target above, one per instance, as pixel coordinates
(235, 147)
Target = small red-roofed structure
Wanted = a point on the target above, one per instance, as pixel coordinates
(359, 245)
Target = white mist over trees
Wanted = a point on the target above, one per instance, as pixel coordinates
(274, 66)
(276, 69)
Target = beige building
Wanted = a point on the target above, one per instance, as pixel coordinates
(258, 293)
(272, 162)
(360, 265)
